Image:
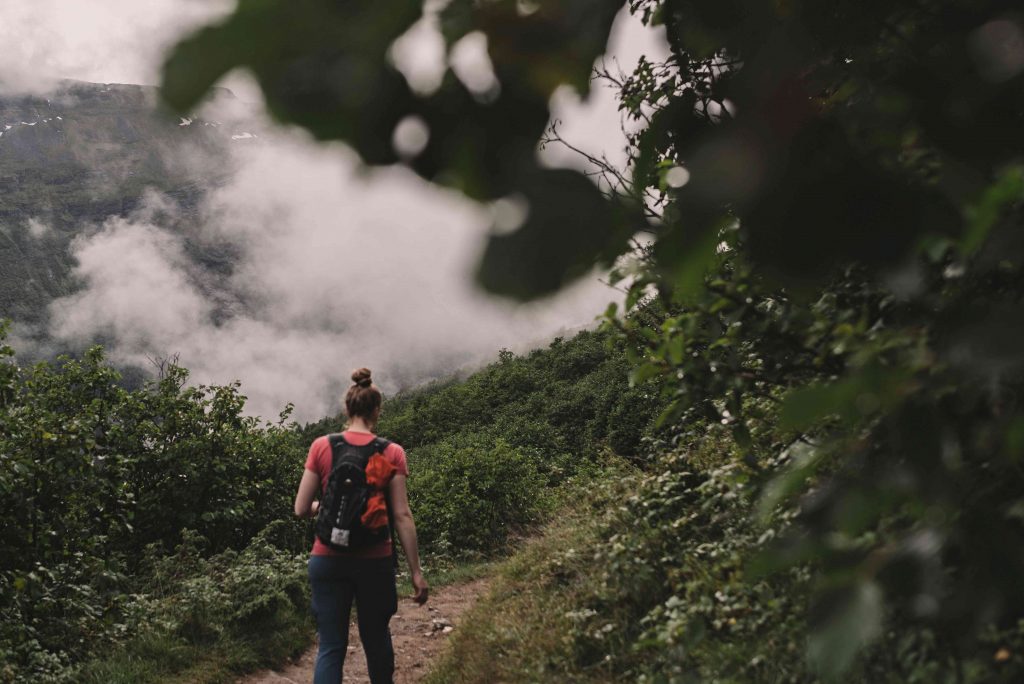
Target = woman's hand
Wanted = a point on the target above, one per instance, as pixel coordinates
(314, 508)
(421, 588)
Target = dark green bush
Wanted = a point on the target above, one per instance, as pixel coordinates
(92, 474)
(470, 493)
(249, 607)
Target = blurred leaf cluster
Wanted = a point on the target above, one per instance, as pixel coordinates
(839, 284)
(324, 66)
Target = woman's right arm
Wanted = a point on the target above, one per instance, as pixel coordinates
(406, 528)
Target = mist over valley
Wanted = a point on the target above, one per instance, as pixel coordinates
(244, 250)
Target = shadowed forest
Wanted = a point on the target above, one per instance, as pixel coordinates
(791, 451)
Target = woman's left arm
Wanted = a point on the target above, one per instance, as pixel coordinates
(305, 506)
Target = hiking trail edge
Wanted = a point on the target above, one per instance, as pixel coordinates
(420, 635)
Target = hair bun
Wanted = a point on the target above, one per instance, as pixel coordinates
(361, 377)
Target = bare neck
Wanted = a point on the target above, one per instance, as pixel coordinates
(359, 424)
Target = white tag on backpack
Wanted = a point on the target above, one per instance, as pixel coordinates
(339, 537)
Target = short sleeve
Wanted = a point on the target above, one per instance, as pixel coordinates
(396, 454)
(314, 461)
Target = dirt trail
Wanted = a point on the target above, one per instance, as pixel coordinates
(419, 633)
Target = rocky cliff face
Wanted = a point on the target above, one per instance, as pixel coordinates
(76, 156)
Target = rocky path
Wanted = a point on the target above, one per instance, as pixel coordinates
(419, 634)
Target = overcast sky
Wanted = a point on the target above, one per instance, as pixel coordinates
(429, 310)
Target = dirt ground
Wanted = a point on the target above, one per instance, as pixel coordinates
(419, 633)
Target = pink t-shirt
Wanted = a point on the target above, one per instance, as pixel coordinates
(319, 461)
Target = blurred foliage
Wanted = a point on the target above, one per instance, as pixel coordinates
(323, 66)
(855, 319)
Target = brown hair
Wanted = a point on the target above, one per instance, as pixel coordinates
(363, 399)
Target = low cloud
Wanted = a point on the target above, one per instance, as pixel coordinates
(37, 228)
(595, 125)
(304, 265)
(333, 267)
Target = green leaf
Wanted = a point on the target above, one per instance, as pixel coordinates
(271, 37)
(676, 348)
(644, 372)
(870, 390)
(847, 619)
(742, 437)
(1006, 191)
(671, 413)
(569, 230)
(555, 44)
(687, 258)
(805, 462)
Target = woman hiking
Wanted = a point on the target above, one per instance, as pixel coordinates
(352, 558)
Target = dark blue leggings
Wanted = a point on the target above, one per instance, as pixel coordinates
(336, 581)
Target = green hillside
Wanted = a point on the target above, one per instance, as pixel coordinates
(138, 520)
(78, 155)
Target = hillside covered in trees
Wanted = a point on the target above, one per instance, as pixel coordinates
(153, 526)
(81, 154)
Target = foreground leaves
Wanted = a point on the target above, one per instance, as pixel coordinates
(323, 66)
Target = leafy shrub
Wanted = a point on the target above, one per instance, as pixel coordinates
(470, 493)
(93, 473)
(250, 606)
(671, 600)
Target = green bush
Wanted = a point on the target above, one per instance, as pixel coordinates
(471, 493)
(93, 473)
(230, 612)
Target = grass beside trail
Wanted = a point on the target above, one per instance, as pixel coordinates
(516, 632)
(164, 657)
(442, 573)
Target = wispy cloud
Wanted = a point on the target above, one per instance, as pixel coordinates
(334, 268)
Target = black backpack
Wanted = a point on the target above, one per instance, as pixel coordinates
(339, 521)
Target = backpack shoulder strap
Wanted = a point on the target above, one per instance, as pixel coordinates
(380, 444)
(335, 440)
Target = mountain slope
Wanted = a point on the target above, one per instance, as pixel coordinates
(78, 155)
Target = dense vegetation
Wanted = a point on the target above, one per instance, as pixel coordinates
(140, 516)
(829, 197)
(490, 454)
(153, 525)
